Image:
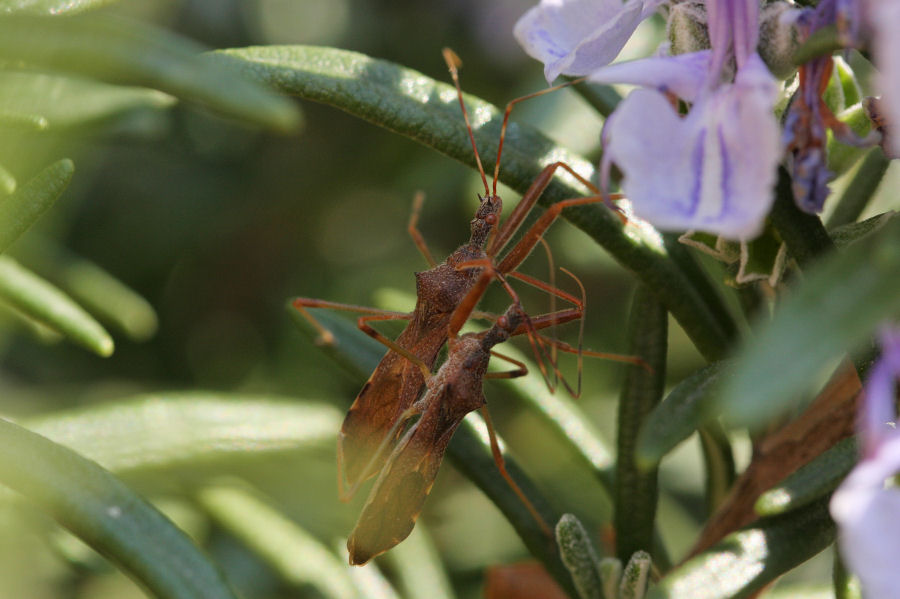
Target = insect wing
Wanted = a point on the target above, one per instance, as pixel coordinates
(392, 388)
(405, 481)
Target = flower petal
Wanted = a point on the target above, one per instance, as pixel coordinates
(683, 74)
(713, 170)
(576, 37)
(885, 17)
(866, 514)
(878, 411)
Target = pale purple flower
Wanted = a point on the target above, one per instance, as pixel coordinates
(713, 170)
(576, 37)
(868, 513)
(884, 16)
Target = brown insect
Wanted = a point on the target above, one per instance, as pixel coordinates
(408, 472)
(447, 294)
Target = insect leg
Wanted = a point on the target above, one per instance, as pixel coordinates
(326, 337)
(413, 229)
(501, 466)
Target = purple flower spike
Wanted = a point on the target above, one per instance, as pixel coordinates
(575, 37)
(868, 513)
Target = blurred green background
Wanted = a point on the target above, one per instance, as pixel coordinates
(217, 224)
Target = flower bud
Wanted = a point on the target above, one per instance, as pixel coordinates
(686, 27)
(778, 38)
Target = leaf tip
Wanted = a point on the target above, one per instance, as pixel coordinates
(104, 347)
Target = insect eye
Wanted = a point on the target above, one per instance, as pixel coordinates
(491, 219)
(503, 322)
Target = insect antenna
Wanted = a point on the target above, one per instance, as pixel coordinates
(507, 112)
(453, 63)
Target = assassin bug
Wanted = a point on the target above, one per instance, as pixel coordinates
(444, 293)
(447, 294)
(409, 469)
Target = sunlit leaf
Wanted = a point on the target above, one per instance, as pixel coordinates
(747, 560)
(165, 430)
(24, 207)
(67, 101)
(130, 53)
(835, 309)
(810, 482)
(50, 7)
(108, 516)
(7, 181)
(417, 567)
(297, 557)
(40, 300)
(411, 104)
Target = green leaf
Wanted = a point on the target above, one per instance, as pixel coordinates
(844, 584)
(562, 416)
(22, 209)
(580, 557)
(7, 181)
(747, 560)
(129, 53)
(839, 305)
(718, 461)
(636, 490)
(417, 567)
(860, 189)
(678, 415)
(352, 349)
(50, 7)
(812, 481)
(822, 42)
(67, 101)
(103, 295)
(842, 156)
(802, 591)
(108, 516)
(161, 431)
(848, 234)
(635, 576)
(411, 104)
(295, 555)
(40, 300)
(470, 452)
(611, 576)
(804, 234)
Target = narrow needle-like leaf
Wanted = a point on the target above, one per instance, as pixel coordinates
(24, 207)
(108, 516)
(40, 300)
(130, 53)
